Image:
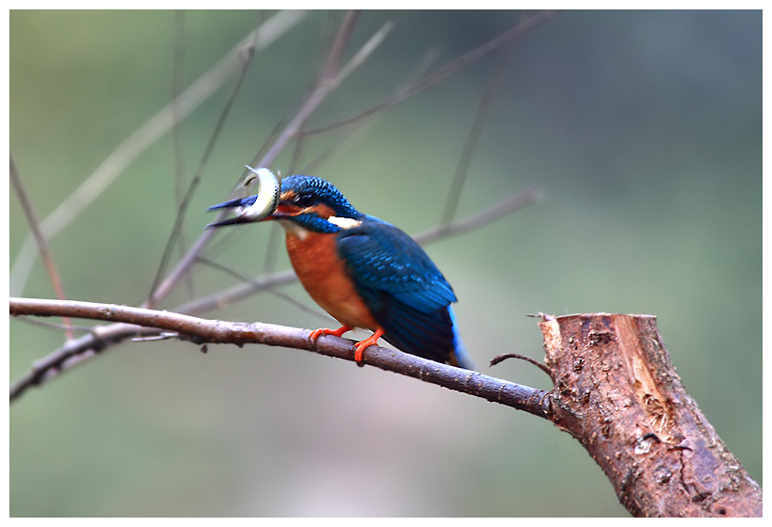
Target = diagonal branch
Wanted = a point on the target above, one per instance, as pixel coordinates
(479, 219)
(200, 331)
(473, 137)
(40, 240)
(446, 71)
(186, 196)
(145, 136)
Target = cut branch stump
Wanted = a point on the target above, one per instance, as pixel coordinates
(617, 392)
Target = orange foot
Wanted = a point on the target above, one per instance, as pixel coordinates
(315, 334)
(359, 347)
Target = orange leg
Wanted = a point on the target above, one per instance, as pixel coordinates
(359, 347)
(315, 334)
(370, 341)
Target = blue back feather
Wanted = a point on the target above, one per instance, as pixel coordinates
(404, 290)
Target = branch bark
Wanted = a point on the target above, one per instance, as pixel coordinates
(617, 392)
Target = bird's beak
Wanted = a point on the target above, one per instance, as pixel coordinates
(249, 214)
(244, 206)
(229, 221)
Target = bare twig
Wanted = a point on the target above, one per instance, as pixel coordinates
(449, 69)
(249, 52)
(214, 331)
(484, 217)
(328, 83)
(272, 290)
(54, 325)
(501, 358)
(143, 137)
(331, 68)
(177, 136)
(40, 240)
(462, 169)
(355, 130)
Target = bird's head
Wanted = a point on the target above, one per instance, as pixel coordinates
(305, 202)
(314, 204)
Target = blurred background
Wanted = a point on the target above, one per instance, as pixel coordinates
(642, 129)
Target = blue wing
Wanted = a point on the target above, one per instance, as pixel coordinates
(406, 293)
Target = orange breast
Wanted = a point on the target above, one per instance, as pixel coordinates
(321, 272)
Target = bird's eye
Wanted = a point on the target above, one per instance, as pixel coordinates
(303, 200)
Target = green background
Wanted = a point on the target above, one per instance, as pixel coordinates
(643, 130)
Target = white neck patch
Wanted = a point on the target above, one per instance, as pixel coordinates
(344, 223)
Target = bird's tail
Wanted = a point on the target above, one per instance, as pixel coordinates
(459, 356)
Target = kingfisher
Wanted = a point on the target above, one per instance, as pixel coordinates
(365, 272)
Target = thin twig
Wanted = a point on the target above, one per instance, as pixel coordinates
(177, 135)
(54, 325)
(501, 358)
(74, 352)
(237, 292)
(321, 92)
(272, 290)
(484, 217)
(40, 240)
(355, 131)
(178, 60)
(331, 69)
(467, 152)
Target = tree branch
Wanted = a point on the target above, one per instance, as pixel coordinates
(137, 321)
